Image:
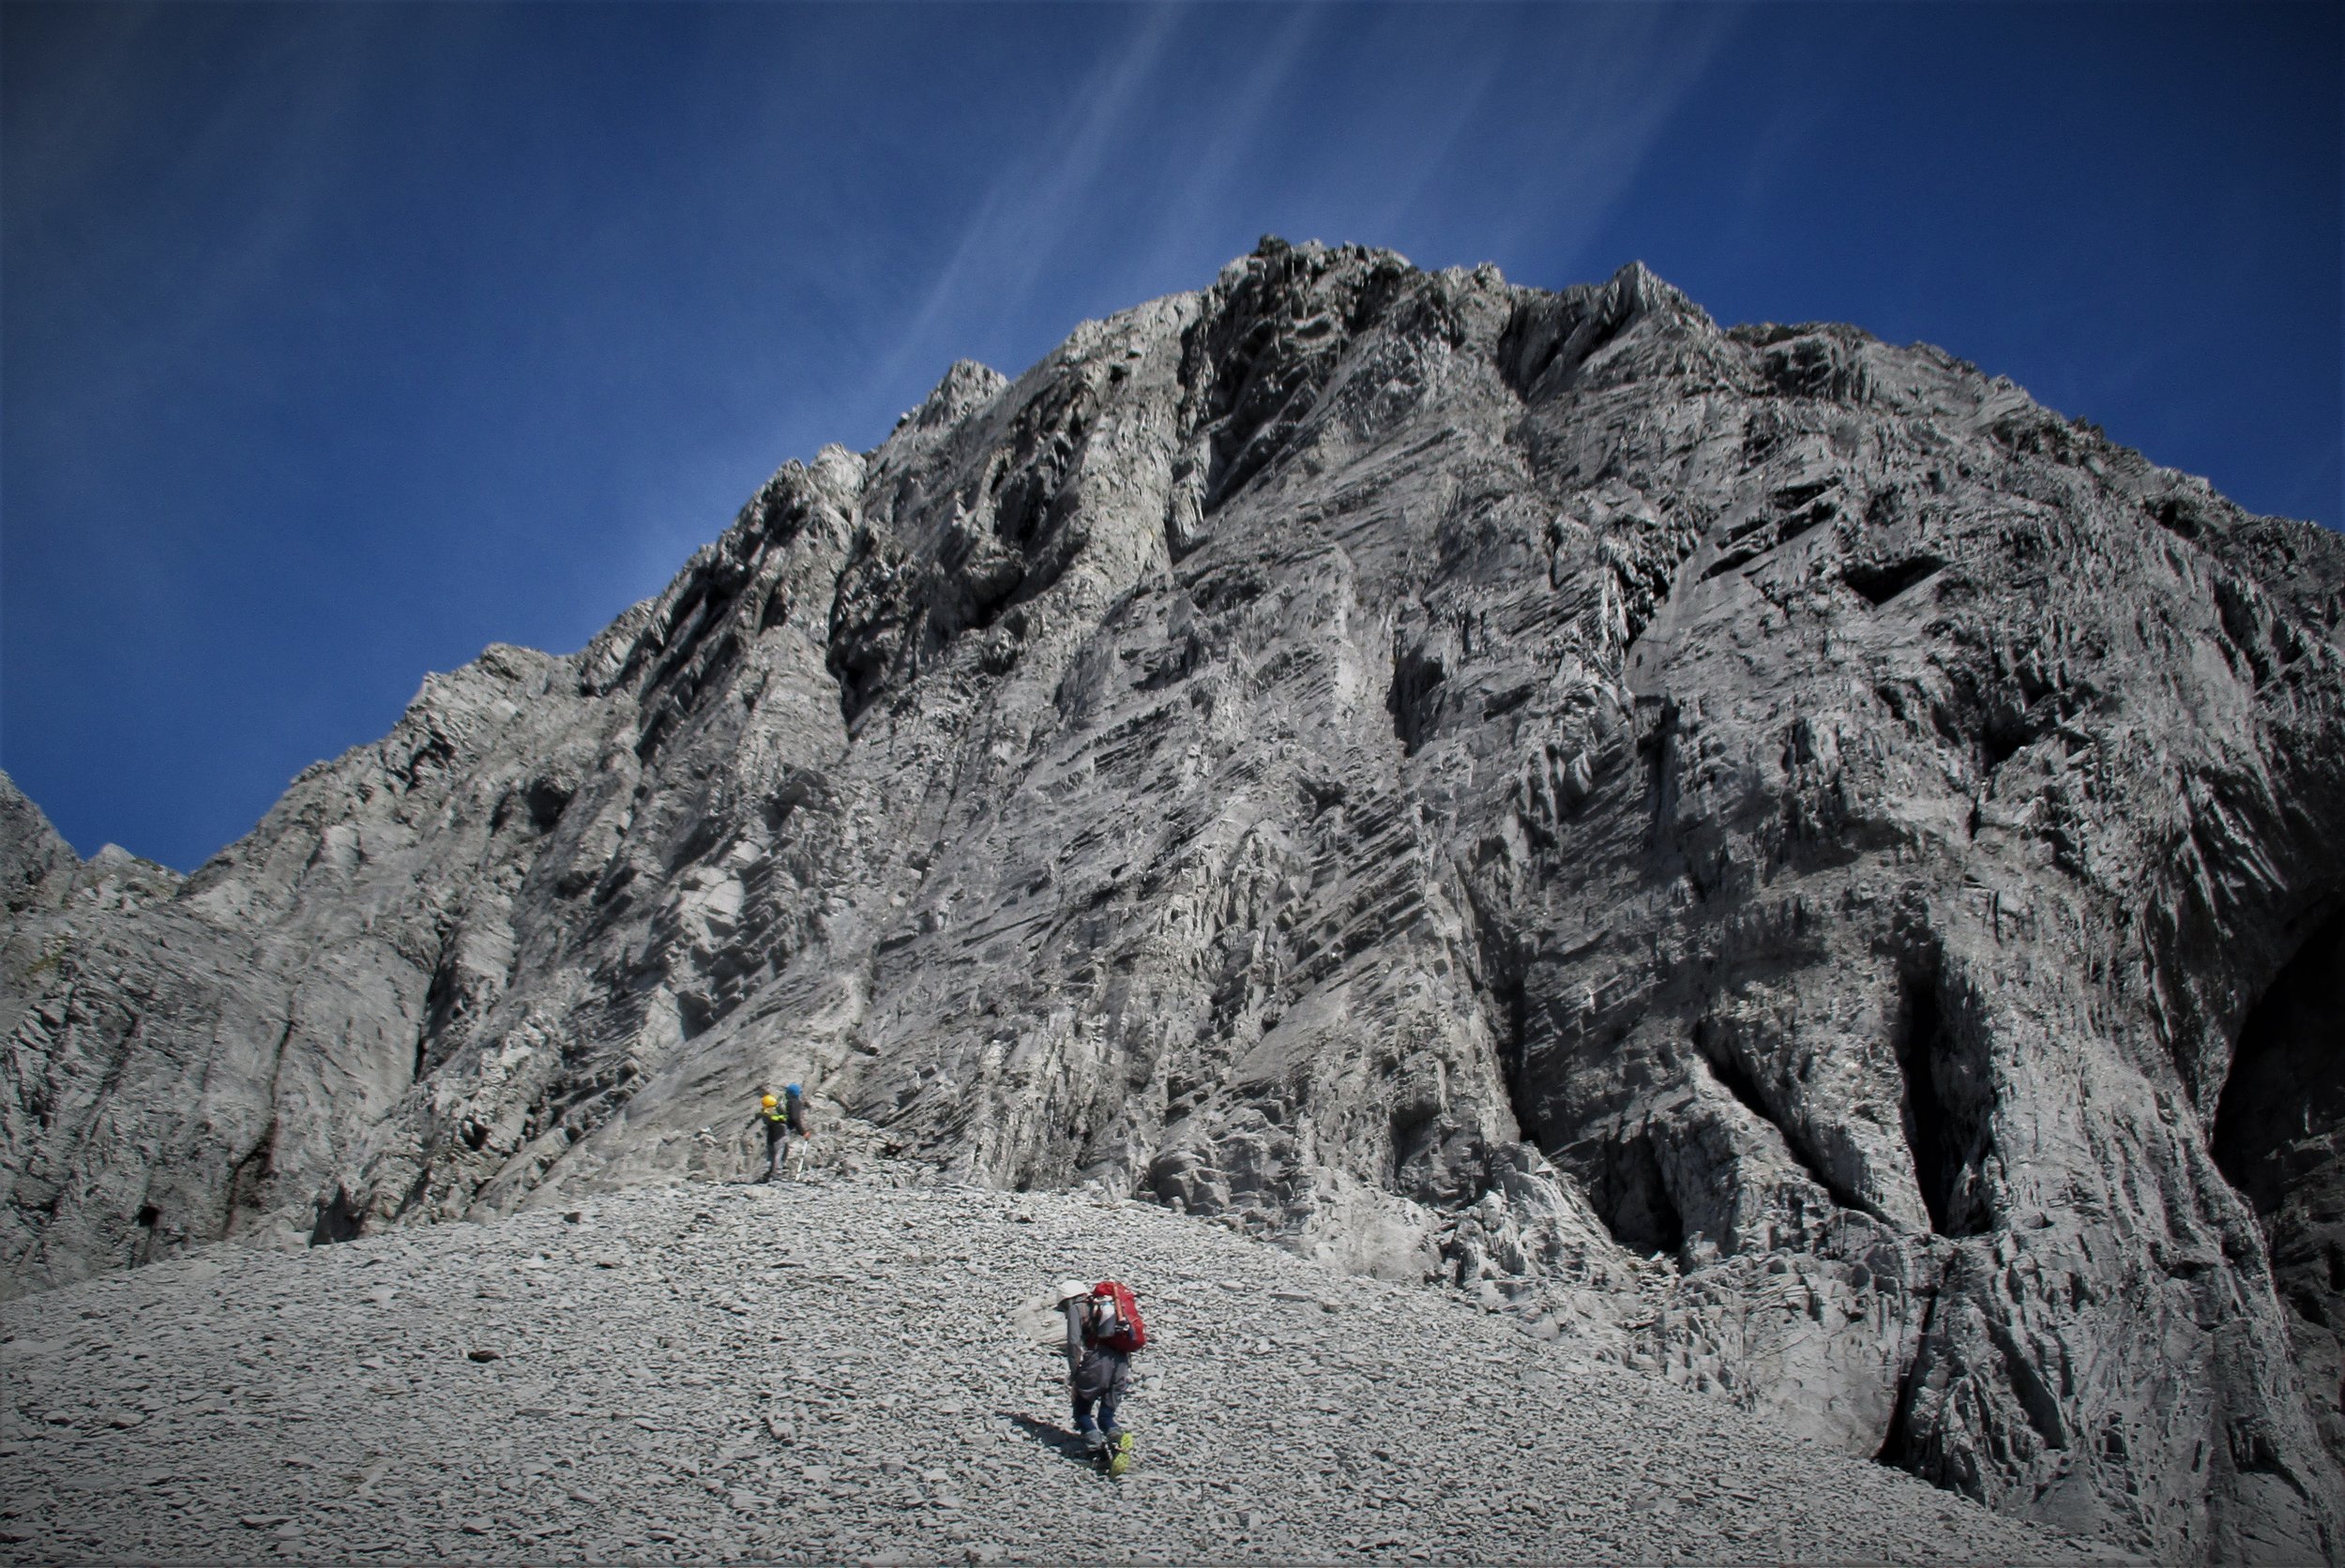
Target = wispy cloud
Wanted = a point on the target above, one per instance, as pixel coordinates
(1238, 123)
(1015, 233)
(1631, 72)
(1408, 186)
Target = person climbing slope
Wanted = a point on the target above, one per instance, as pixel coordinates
(1103, 1329)
(781, 1119)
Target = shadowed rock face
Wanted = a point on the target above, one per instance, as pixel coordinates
(1757, 847)
(2280, 1139)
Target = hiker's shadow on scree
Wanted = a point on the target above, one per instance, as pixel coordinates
(1067, 1444)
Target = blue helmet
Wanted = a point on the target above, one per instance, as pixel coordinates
(792, 1091)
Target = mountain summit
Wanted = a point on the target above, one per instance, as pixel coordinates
(1763, 850)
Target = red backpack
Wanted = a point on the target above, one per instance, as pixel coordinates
(1119, 1327)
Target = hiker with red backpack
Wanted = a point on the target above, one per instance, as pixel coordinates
(1103, 1329)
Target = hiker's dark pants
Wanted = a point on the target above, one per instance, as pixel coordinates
(1102, 1379)
(776, 1144)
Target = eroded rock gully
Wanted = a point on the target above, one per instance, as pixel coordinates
(1762, 851)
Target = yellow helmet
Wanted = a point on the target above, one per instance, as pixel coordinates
(771, 1102)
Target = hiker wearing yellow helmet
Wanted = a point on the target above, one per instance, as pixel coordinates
(780, 1119)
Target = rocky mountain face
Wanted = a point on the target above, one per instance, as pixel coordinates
(1765, 851)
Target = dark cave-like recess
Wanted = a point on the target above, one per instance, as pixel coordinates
(1634, 1201)
(338, 1220)
(1948, 1112)
(2286, 1090)
(2279, 1139)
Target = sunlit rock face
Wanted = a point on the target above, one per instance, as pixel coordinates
(1763, 850)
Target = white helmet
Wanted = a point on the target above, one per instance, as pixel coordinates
(1069, 1288)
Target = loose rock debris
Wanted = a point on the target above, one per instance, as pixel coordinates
(826, 1372)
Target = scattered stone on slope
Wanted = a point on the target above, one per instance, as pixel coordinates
(875, 1406)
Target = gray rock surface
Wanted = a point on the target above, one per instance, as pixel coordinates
(1757, 852)
(44, 885)
(827, 1372)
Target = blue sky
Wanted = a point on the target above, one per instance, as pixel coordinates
(337, 342)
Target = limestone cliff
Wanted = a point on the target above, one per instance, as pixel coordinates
(1764, 849)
